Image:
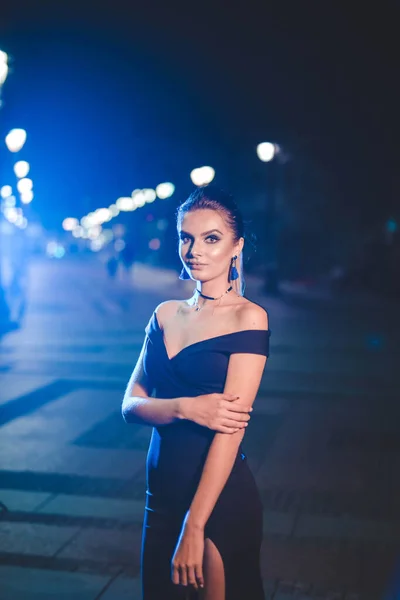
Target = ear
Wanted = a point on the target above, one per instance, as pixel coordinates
(239, 246)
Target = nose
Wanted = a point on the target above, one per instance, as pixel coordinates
(194, 250)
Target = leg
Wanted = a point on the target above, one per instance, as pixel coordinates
(213, 571)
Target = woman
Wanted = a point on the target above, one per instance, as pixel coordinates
(202, 361)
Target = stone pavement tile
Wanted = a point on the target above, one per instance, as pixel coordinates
(293, 471)
(73, 368)
(123, 588)
(115, 547)
(13, 386)
(23, 500)
(91, 462)
(32, 538)
(24, 456)
(33, 400)
(310, 561)
(84, 506)
(345, 527)
(65, 418)
(68, 483)
(356, 568)
(278, 523)
(57, 353)
(19, 583)
(113, 432)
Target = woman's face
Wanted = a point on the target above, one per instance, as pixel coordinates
(206, 245)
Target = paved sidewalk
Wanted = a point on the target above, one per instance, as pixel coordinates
(323, 443)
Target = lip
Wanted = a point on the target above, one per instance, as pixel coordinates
(195, 265)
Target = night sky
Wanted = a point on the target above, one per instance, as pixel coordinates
(115, 98)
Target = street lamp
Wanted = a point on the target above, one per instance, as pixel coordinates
(3, 67)
(165, 190)
(15, 139)
(24, 185)
(202, 176)
(21, 169)
(26, 196)
(6, 191)
(267, 152)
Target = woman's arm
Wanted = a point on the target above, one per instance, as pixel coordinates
(218, 412)
(139, 407)
(243, 377)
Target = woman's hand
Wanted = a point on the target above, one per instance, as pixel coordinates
(187, 561)
(219, 412)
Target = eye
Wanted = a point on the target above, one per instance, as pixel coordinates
(213, 238)
(183, 239)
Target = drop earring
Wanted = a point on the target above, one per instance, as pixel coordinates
(184, 274)
(234, 272)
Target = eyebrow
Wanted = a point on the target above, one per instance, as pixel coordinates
(204, 232)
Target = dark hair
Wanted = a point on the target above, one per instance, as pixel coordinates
(212, 197)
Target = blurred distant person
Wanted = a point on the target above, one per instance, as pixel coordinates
(112, 266)
(127, 256)
(17, 292)
(195, 381)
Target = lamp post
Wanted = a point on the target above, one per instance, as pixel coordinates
(14, 141)
(4, 311)
(269, 152)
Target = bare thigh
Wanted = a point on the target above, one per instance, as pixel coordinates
(213, 571)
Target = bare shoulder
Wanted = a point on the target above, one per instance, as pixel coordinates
(167, 309)
(252, 316)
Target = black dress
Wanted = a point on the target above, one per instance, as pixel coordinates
(175, 461)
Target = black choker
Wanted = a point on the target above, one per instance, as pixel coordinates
(210, 297)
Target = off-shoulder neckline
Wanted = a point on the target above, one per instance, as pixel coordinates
(215, 337)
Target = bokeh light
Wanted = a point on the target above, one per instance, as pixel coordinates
(266, 151)
(102, 215)
(154, 244)
(26, 197)
(24, 185)
(11, 214)
(3, 66)
(6, 191)
(70, 223)
(15, 139)
(9, 202)
(126, 203)
(55, 250)
(21, 168)
(94, 232)
(202, 176)
(138, 199)
(114, 210)
(119, 245)
(78, 232)
(165, 190)
(149, 195)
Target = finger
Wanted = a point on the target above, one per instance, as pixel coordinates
(236, 418)
(199, 575)
(229, 430)
(238, 407)
(183, 575)
(175, 575)
(234, 423)
(192, 577)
